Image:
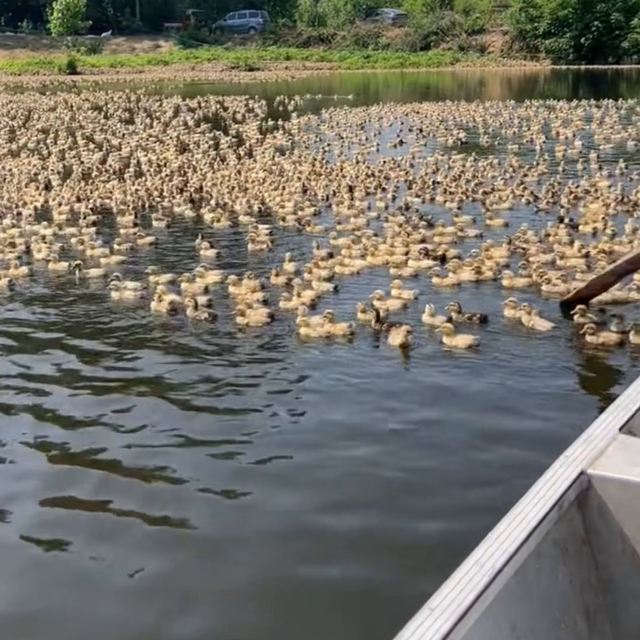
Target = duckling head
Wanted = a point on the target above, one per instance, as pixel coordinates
(589, 330)
(454, 306)
(447, 329)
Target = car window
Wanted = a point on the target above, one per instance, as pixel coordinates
(231, 16)
(254, 15)
(265, 16)
(242, 15)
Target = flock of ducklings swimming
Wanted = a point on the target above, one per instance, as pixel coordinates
(436, 195)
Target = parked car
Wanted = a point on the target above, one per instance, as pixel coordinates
(391, 17)
(249, 21)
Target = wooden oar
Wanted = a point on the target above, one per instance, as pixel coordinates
(604, 281)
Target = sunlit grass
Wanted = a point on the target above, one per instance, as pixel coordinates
(244, 58)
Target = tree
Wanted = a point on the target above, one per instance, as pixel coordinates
(67, 17)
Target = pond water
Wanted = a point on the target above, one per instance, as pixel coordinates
(161, 481)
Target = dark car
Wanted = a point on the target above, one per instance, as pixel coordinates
(391, 17)
(249, 21)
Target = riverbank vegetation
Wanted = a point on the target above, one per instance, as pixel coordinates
(336, 32)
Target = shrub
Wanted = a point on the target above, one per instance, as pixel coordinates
(363, 36)
(191, 39)
(68, 66)
(66, 17)
(309, 15)
(89, 47)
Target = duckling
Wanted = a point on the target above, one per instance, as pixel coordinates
(313, 321)
(206, 250)
(306, 331)
(438, 280)
(396, 291)
(364, 315)
(253, 317)
(127, 285)
(7, 283)
(156, 278)
(581, 316)
(290, 266)
(119, 292)
(458, 316)
(531, 319)
(112, 260)
(602, 338)
(510, 309)
(55, 264)
(401, 337)
(430, 318)
(194, 313)
(209, 276)
(190, 286)
(509, 281)
(389, 305)
(16, 270)
(324, 287)
(160, 304)
(459, 341)
(634, 336)
(80, 271)
(344, 329)
(278, 279)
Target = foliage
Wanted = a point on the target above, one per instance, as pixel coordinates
(591, 31)
(191, 39)
(68, 66)
(86, 47)
(308, 14)
(477, 15)
(67, 17)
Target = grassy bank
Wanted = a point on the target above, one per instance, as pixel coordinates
(242, 59)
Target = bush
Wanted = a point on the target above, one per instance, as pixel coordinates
(309, 15)
(477, 15)
(191, 39)
(89, 47)
(68, 66)
(363, 36)
(66, 17)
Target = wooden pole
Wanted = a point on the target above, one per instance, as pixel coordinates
(604, 281)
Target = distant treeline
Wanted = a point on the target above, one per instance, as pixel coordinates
(565, 31)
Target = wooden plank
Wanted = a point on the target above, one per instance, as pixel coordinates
(447, 607)
(604, 281)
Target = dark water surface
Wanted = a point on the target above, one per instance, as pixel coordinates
(166, 482)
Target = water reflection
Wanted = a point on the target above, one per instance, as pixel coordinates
(73, 503)
(47, 544)
(597, 376)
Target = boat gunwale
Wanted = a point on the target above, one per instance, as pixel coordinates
(455, 598)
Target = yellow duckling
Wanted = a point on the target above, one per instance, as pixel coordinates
(430, 318)
(396, 291)
(602, 338)
(143, 240)
(531, 319)
(581, 315)
(278, 279)
(167, 295)
(16, 270)
(118, 292)
(290, 266)
(161, 304)
(128, 285)
(306, 331)
(401, 337)
(509, 281)
(193, 311)
(288, 302)
(511, 309)
(156, 278)
(80, 271)
(207, 250)
(7, 283)
(112, 260)
(389, 305)
(308, 296)
(634, 336)
(459, 341)
(209, 276)
(364, 315)
(438, 280)
(344, 329)
(324, 287)
(313, 321)
(253, 317)
(190, 286)
(55, 264)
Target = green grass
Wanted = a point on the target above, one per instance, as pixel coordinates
(243, 58)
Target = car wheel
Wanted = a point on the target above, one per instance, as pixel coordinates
(217, 31)
(252, 31)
